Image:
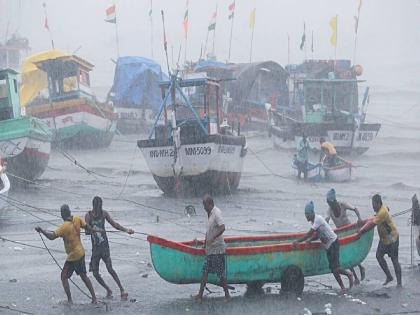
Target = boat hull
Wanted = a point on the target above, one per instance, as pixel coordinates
(251, 261)
(341, 136)
(4, 192)
(77, 123)
(134, 120)
(25, 144)
(213, 165)
(337, 174)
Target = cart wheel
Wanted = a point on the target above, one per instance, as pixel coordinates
(292, 280)
(254, 287)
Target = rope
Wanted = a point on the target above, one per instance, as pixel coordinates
(56, 262)
(15, 310)
(28, 245)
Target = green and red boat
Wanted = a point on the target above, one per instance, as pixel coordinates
(255, 260)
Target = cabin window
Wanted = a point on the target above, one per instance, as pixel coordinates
(84, 78)
(15, 85)
(3, 89)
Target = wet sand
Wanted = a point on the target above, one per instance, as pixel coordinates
(264, 203)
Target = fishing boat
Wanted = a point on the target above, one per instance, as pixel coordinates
(325, 103)
(191, 152)
(25, 142)
(69, 107)
(255, 260)
(248, 90)
(135, 93)
(321, 172)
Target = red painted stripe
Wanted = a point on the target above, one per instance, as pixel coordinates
(75, 109)
(186, 246)
(36, 153)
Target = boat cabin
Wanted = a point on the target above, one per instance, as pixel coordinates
(193, 105)
(327, 100)
(9, 95)
(68, 77)
(12, 51)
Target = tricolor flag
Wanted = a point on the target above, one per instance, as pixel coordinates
(111, 16)
(185, 22)
(231, 10)
(252, 18)
(333, 25)
(212, 25)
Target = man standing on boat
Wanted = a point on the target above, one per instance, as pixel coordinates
(214, 246)
(75, 261)
(303, 156)
(322, 230)
(388, 239)
(328, 153)
(338, 213)
(100, 245)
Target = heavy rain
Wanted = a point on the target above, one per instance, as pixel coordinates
(209, 157)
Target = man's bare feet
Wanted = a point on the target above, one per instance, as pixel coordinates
(94, 301)
(362, 273)
(343, 291)
(198, 298)
(124, 296)
(109, 294)
(399, 285)
(228, 298)
(356, 281)
(388, 280)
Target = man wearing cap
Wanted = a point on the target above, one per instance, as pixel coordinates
(322, 230)
(75, 261)
(388, 239)
(338, 213)
(302, 156)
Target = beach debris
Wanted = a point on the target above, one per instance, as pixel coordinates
(133, 300)
(13, 280)
(187, 309)
(382, 295)
(142, 261)
(190, 210)
(358, 301)
(28, 298)
(269, 223)
(17, 248)
(327, 309)
(144, 275)
(268, 290)
(138, 254)
(405, 305)
(306, 311)
(299, 298)
(332, 293)
(251, 220)
(149, 265)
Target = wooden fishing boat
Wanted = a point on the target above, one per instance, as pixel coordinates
(318, 172)
(191, 152)
(69, 108)
(25, 142)
(259, 259)
(325, 103)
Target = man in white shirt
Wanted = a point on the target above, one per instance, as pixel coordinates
(214, 246)
(322, 230)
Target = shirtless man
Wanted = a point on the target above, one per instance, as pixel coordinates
(338, 213)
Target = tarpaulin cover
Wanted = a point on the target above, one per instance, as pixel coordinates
(136, 83)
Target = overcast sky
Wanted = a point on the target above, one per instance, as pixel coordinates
(388, 40)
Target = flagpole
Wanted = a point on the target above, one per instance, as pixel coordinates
(47, 26)
(336, 42)
(186, 33)
(116, 34)
(214, 32)
(231, 29)
(312, 45)
(252, 40)
(205, 44)
(356, 29)
(151, 27)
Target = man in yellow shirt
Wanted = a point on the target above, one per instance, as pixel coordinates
(328, 153)
(388, 239)
(75, 261)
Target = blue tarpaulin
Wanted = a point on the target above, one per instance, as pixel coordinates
(136, 83)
